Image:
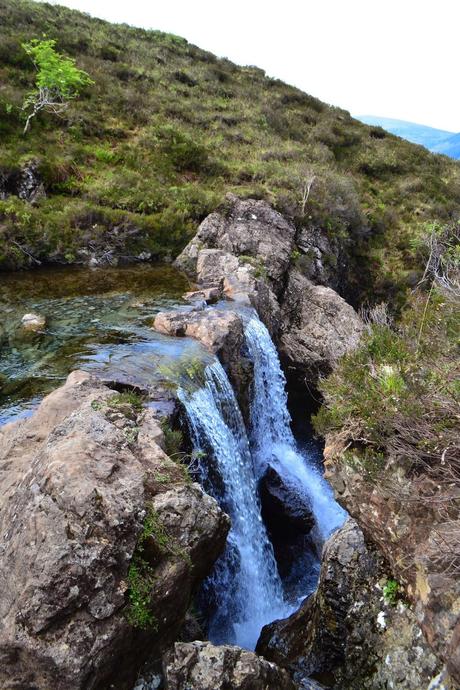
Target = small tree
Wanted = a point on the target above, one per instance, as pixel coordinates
(58, 80)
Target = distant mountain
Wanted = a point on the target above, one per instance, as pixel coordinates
(450, 147)
(437, 140)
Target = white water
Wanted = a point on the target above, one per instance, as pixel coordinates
(246, 578)
(271, 436)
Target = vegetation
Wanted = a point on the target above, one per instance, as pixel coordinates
(167, 129)
(127, 398)
(141, 578)
(57, 82)
(391, 592)
(394, 402)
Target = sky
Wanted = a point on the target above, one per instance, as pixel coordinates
(397, 58)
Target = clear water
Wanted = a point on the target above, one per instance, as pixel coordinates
(95, 319)
(272, 440)
(246, 580)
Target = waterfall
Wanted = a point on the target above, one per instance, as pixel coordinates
(245, 581)
(271, 437)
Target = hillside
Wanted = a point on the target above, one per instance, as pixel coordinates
(167, 129)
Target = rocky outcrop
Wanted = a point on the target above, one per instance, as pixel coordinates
(25, 183)
(80, 481)
(317, 328)
(203, 666)
(245, 249)
(346, 635)
(247, 229)
(419, 539)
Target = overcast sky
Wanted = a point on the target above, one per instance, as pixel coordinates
(397, 58)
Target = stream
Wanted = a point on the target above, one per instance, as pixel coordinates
(100, 321)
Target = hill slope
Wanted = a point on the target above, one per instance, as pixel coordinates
(167, 129)
(436, 140)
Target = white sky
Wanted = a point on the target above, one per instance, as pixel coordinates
(397, 58)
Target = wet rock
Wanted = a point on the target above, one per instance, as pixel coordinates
(283, 504)
(345, 635)
(289, 520)
(207, 295)
(317, 328)
(76, 482)
(33, 322)
(221, 332)
(203, 666)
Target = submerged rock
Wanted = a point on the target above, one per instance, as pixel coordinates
(77, 482)
(345, 635)
(203, 666)
(33, 322)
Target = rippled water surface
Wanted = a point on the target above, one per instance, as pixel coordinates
(95, 319)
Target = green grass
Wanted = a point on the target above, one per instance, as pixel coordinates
(396, 398)
(167, 129)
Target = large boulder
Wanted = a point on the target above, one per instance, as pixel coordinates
(203, 666)
(220, 331)
(244, 228)
(345, 634)
(245, 249)
(80, 481)
(317, 328)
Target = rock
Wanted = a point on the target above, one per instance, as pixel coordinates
(207, 295)
(33, 322)
(337, 634)
(289, 520)
(203, 666)
(317, 328)
(416, 540)
(244, 250)
(30, 186)
(221, 332)
(284, 505)
(244, 228)
(77, 480)
(24, 182)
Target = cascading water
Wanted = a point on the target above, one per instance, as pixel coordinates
(271, 436)
(245, 580)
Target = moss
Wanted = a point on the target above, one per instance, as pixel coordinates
(140, 583)
(127, 398)
(174, 439)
